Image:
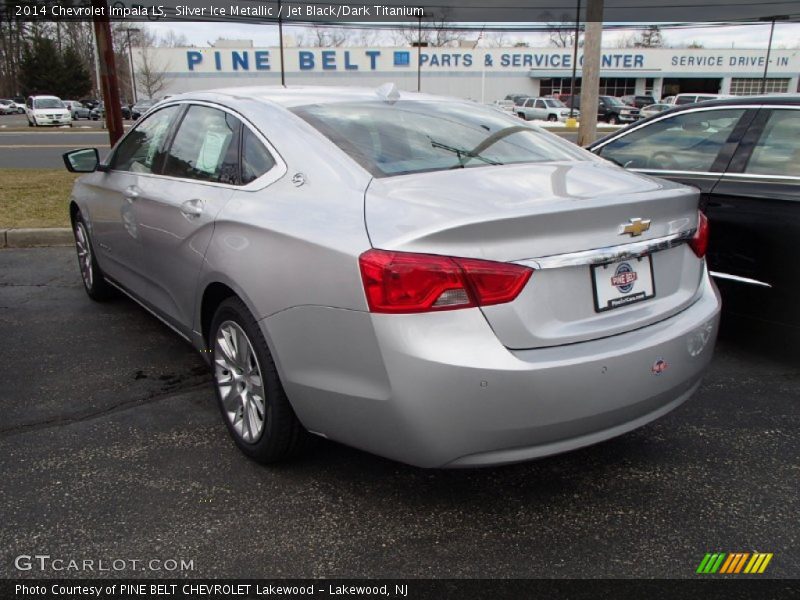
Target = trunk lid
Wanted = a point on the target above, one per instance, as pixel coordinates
(518, 213)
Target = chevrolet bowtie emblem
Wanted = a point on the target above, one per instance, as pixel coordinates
(636, 227)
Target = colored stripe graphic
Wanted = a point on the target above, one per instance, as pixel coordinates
(724, 563)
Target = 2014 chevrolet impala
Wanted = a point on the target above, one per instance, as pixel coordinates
(423, 278)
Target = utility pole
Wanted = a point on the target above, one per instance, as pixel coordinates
(769, 47)
(590, 72)
(419, 54)
(280, 38)
(108, 71)
(128, 32)
(574, 62)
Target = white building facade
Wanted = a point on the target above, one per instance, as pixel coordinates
(480, 74)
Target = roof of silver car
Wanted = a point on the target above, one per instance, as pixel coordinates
(290, 96)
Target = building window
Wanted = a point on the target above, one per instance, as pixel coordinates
(649, 84)
(749, 86)
(617, 86)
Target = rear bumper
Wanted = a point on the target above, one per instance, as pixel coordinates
(439, 390)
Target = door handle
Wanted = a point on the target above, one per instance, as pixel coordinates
(192, 208)
(131, 192)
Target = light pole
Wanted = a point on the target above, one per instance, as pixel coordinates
(130, 58)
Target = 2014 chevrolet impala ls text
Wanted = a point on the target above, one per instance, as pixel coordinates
(423, 278)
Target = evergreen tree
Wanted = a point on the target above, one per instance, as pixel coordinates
(41, 68)
(75, 81)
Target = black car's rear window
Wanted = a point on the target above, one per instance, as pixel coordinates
(416, 136)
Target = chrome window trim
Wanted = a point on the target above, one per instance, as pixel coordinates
(278, 170)
(738, 279)
(608, 254)
(677, 172)
(761, 176)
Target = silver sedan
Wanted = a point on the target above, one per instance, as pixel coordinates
(426, 279)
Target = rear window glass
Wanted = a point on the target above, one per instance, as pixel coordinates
(413, 136)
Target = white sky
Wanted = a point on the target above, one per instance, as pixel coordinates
(787, 35)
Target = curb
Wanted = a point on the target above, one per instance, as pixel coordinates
(32, 238)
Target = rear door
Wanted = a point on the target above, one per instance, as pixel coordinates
(755, 208)
(176, 211)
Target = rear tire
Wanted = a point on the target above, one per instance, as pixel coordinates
(97, 288)
(249, 392)
(552, 118)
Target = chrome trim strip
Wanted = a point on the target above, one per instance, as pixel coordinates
(678, 172)
(609, 254)
(738, 279)
(760, 176)
(148, 309)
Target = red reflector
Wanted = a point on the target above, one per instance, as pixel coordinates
(699, 243)
(405, 282)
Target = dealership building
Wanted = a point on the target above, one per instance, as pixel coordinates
(477, 73)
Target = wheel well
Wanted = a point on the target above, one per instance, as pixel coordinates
(73, 211)
(213, 296)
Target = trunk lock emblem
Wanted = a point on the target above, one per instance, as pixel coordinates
(635, 227)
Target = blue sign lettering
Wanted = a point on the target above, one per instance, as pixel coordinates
(306, 60)
(193, 57)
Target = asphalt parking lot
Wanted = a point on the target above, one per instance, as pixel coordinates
(111, 446)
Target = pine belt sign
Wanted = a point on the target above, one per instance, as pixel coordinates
(636, 62)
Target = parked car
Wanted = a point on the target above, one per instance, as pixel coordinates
(141, 107)
(420, 277)
(7, 107)
(609, 109)
(10, 107)
(654, 109)
(638, 101)
(743, 154)
(99, 112)
(47, 110)
(505, 106)
(543, 109)
(78, 110)
(89, 103)
(681, 99)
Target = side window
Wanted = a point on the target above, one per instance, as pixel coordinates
(540, 104)
(689, 141)
(256, 159)
(778, 150)
(142, 149)
(205, 146)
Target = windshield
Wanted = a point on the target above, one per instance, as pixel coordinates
(417, 136)
(614, 101)
(145, 103)
(48, 103)
(553, 103)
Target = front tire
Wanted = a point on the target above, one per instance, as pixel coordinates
(97, 288)
(249, 392)
(552, 118)
(613, 120)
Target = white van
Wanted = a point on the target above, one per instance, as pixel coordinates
(47, 110)
(681, 99)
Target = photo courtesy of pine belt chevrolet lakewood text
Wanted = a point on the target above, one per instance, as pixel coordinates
(423, 278)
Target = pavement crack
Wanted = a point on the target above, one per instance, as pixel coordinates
(60, 421)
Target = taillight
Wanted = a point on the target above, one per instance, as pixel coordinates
(405, 282)
(699, 243)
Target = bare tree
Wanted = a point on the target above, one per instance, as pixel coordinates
(497, 39)
(150, 75)
(318, 36)
(171, 40)
(650, 38)
(435, 32)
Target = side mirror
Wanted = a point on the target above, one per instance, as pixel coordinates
(85, 160)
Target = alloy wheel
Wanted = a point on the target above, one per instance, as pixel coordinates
(84, 255)
(239, 382)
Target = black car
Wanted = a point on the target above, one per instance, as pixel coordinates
(609, 109)
(141, 107)
(638, 101)
(99, 112)
(743, 154)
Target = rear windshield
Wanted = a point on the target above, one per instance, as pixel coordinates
(415, 136)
